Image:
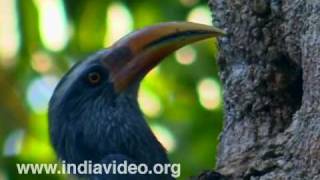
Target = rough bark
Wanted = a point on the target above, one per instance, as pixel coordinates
(270, 69)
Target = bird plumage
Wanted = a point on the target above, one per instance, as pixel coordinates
(89, 122)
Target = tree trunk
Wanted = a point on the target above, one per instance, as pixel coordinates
(270, 69)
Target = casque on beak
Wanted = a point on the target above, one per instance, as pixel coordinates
(133, 56)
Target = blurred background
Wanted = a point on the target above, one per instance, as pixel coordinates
(41, 39)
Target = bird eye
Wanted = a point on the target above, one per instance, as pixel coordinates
(94, 77)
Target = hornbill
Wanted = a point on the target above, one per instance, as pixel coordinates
(94, 114)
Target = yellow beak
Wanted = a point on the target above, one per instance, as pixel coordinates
(137, 53)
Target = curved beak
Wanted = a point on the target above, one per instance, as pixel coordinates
(133, 56)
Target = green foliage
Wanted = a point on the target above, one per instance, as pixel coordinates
(170, 96)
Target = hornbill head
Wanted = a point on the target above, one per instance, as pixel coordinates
(94, 113)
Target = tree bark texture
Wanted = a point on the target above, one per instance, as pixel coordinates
(270, 70)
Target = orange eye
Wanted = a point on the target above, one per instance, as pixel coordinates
(94, 77)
